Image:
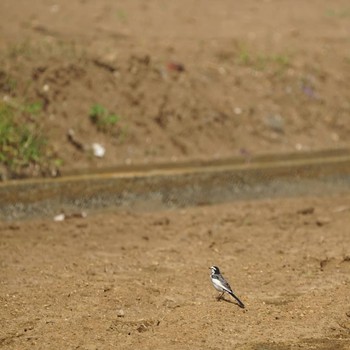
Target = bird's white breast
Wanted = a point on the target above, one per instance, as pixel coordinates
(217, 284)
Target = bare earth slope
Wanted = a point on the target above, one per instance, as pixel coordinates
(186, 79)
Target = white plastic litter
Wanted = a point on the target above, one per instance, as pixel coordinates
(59, 217)
(98, 150)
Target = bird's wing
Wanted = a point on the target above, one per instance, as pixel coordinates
(224, 283)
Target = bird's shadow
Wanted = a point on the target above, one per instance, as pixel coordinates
(228, 301)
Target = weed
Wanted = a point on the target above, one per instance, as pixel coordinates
(22, 49)
(260, 62)
(282, 60)
(34, 108)
(244, 56)
(21, 144)
(58, 162)
(102, 118)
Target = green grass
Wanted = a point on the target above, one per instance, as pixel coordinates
(102, 118)
(33, 108)
(21, 143)
(244, 57)
(25, 50)
(261, 62)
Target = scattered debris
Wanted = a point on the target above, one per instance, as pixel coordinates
(104, 65)
(14, 227)
(98, 150)
(325, 262)
(142, 328)
(275, 122)
(59, 217)
(120, 313)
(161, 222)
(63, 216)
(346, 258)
(321, 221)
(74, 141)
(306, 211)
(176, 67)
(82, 215)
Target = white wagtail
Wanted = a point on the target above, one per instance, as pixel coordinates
(222, 285)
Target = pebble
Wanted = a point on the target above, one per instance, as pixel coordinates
(275, 122)
(120, 313)
(321, 221)
(237, 110)
(306, 211)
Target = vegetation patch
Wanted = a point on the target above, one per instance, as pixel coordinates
(103, 119)
(263, 61)
(22, 146)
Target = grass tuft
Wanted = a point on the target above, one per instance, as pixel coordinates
(102, 118)
(21, 144)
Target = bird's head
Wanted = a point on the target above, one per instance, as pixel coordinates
(214, 270)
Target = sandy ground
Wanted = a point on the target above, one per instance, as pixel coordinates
(141, 280)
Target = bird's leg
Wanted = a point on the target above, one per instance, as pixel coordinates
(220, 296)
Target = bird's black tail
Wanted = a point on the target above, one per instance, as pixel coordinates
(238, 301)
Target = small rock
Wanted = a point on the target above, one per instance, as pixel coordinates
(171, 303)
(275, 122)
(81, 214)
(120, 313)
(74, 141)
(237, 110)
(14, 227)
(176, 67)
(306, 211)
(142, 328)
(162, 222)
(323, 221)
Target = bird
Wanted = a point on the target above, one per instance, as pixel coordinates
(222, 285)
